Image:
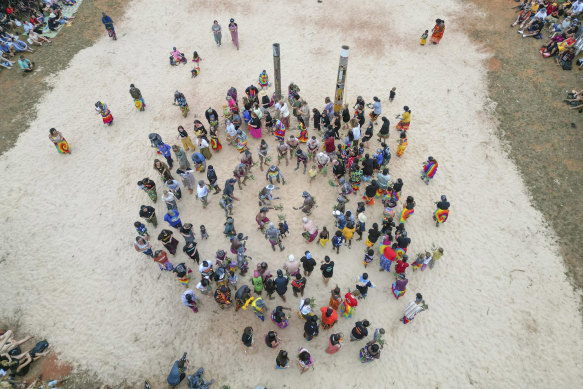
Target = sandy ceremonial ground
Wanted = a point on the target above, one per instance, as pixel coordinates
(501, 311)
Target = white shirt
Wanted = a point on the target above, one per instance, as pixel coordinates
(284, 110)
(231, 130)
(201, 192)
(577, 7)
(356, 132)
(186, 293)
(27, 27)
(322, 158)
(168, 198)
(203, 143)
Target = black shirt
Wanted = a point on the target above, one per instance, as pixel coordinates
(247, 339)
(403, 241)
(147, 211)
(327, 269)
(373, 235)
(443, 205)
(229, 188)
(308, 264)
(371, 190)
(242, 292)
(311, 328)
(339, 170)
(359, 331)
(281, 284)
(317, 118)
(212, 176)
(345, 115)
(368, 166)
(190, 249)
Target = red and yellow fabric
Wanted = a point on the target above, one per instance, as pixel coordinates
(441, 215)
(406, 214)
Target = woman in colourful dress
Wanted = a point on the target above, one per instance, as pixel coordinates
(305, 360)
(442, 212)
(429, 169)
(408, 210)
(106, 115)
(335, 343)
(370, 352)
(59, 141)
(234, 32)
(405, 119)
(241, 140)
(263, 79)
(349, 305)
(403, 143)
(279, 130)
(438, 31)
(215, 141)
(303, 135)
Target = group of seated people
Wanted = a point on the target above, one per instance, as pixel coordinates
(33, 17)
(560, 18)
(13, 361)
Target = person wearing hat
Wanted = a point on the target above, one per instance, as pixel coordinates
(172, 217)
(274, 172)
(291, 266)
(413, 308)
(329, 317)
(138, 98)
(429, 169)
(108, 23)
(376, 107)
(442, 212)
(307, 205)
(234, 29)
(274, 236)
(405, 119)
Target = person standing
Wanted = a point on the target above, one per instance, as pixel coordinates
(308, 263)
(327, 269)
(399, 287)
(311, 328)
(281, 284)
(178, 372)
(298, 285)
(106, 116)
(408, 209)
(189, 300)
(216, 29)
(274, 236)
(108, 23)
(181, 157)
(59, 141)
(437, 32)
(149, 214)
(211, 175)
(329, 317)
(174, 187)
(429, 170)
(142, 245)
(169, 199)
(187, 179)
(234, 29)
(165, 150)
(405, 121)
(442, 212)
(170, 242)
(138, 98)
(172, 217)
(163, 170)
(185, 139)
(335, 343)
(247, 338)
(359, 331)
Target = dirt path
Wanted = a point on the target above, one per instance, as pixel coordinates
(20, 91)
(544, 136)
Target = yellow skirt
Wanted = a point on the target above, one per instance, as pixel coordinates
(324, 241)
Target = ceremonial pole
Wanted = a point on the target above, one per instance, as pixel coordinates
(341, 81)
(277, 71)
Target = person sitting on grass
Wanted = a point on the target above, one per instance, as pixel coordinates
(25, 64)
(533, 29)
(5, 62)
(36, 39)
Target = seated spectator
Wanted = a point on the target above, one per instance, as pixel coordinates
(5, 48)
(576, 8)
(534, 30)
(551, 49)
(566, 59)
(25, 64)
(36, 39)
(4, 62)
(19, 45)
(523, 16)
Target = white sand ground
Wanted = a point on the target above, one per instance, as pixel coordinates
(502, 313)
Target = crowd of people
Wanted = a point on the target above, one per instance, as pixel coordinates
(330, 139)
(31, 19)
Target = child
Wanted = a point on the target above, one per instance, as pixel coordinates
(299, 284)
(233, 278)
(392, 94)
(142, 230)
(203, 233)
(363, 284)
(418, 261)
(313, 172)
(324, 237)
(269, 288)
(204, 286)
(435, 257)
(269, 122)
(427, 260)
(368, 257)
(337, 241)
(196, 58)
(424, 38)
(348, 233)
(361, 225)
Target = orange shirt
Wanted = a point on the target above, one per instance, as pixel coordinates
(333, 318)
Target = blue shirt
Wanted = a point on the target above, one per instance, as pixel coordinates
(197, 158)
(106, 20)
(172, 220)
(174, 376)
(164, 149)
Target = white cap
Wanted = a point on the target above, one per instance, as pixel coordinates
(305, 219)
(291, 258)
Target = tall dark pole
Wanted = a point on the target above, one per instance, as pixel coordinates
(277, 71)
(341, 81)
